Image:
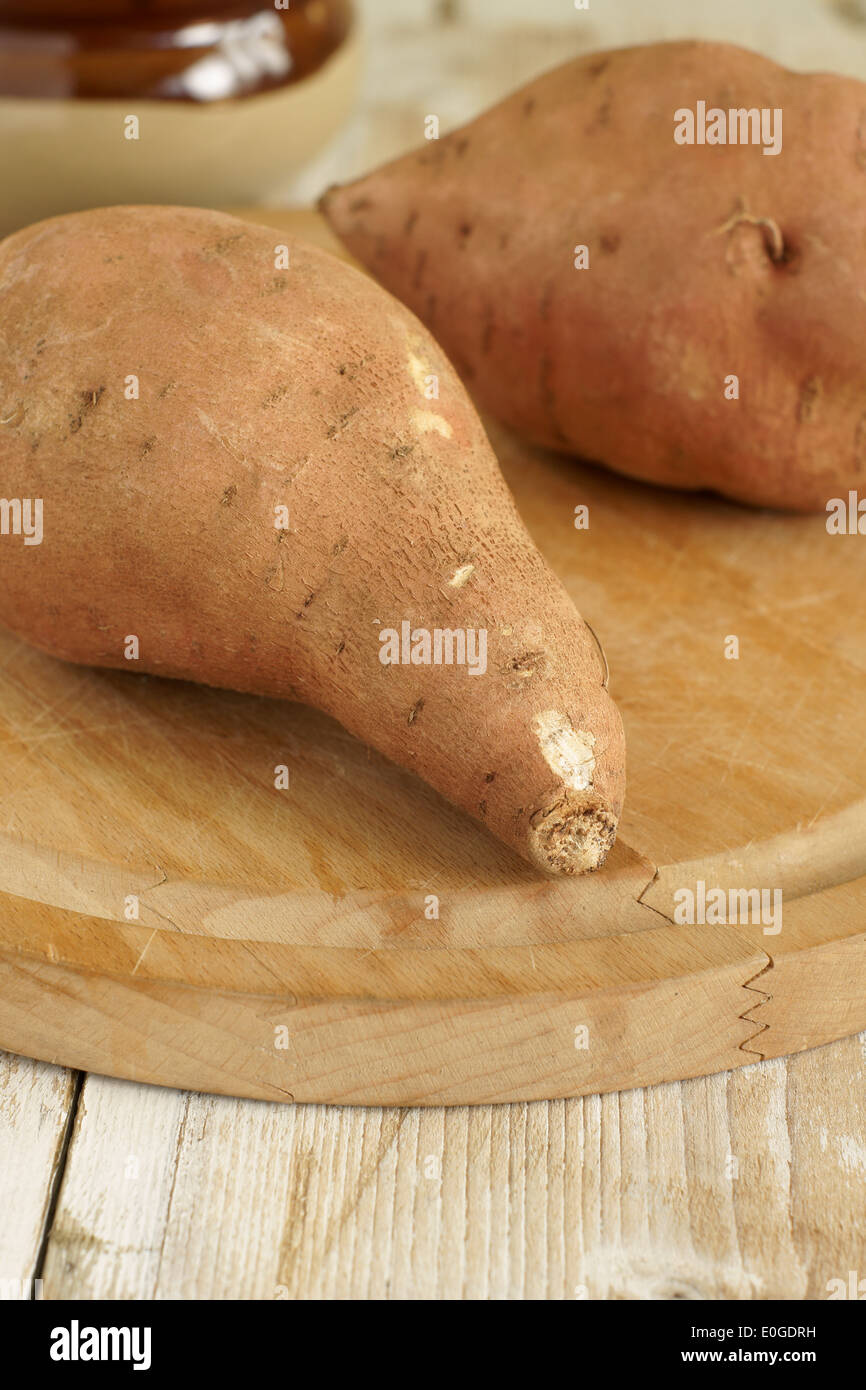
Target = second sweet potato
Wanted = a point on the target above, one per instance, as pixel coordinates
(710, 336)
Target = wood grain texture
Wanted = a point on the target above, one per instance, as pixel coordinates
(746, 1186)
(36, 1103)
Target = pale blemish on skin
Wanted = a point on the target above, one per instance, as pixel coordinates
(567, 751)
(460, 576)
(419, 372)
(428, 422)
(13, 416)
(213, 429)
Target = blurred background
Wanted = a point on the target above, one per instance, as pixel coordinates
(242, 102)
(456, 57)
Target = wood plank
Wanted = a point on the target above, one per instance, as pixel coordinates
(826, 1090)
(36, 1103)
(745, 1186)
(116, 1200)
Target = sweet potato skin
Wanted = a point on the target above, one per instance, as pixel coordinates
(626, 362)
(261, 388)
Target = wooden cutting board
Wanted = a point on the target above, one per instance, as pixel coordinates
(166, 914)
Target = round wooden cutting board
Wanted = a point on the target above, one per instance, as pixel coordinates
(168, 914)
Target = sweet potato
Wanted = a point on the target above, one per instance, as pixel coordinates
(715, 340)
(246, 468)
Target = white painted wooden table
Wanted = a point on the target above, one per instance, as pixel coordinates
(750, 1185)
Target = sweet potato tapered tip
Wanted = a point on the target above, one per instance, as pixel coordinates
(572, 836)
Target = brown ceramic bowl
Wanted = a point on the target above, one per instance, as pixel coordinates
(171, 101)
